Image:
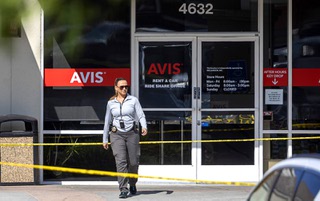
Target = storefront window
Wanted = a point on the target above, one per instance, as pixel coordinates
(275, 63)
(306, 65)
(305, 146)
(275, 146)
(197, 16)
(274, 149)
(84, 52)
(91, 157)
(165, 74)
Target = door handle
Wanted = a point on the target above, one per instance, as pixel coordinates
(198, 122)
(196, 92)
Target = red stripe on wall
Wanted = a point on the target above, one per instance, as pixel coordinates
(306, 77)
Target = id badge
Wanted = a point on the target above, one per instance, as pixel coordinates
(121, 123)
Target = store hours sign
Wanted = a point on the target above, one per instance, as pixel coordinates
(232, 78)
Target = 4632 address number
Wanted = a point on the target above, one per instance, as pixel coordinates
(200, 8)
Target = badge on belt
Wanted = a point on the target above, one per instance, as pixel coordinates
(114, 129)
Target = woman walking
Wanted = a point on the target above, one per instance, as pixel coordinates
(123, 115)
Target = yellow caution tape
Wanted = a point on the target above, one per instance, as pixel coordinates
(230, 140)
(130, 175)
(165, 142)
(116, 174)
(51, 144)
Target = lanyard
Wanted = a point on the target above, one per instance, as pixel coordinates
(121, 110)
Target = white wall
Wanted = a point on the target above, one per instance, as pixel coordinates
(20, 68)
(5, 77)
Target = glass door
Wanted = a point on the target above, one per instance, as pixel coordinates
(226, 109)
(165, 90)
(198, 92)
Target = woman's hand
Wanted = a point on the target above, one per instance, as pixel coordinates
(144, 131)
(105, 146)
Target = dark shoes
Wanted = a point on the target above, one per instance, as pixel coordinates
(133, 190)
(123, 195)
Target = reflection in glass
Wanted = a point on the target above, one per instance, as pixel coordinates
(306, 108)
(263, 190)
(165, 74)
(309, 187)
(101, 39)
(228, 74)
(275, 57)
(227, 126)
(305, 146)
(305, 63)
(286, 184)
(92, 157)
(176, 129)
(196, 16)
(274, 149)
(278, 148)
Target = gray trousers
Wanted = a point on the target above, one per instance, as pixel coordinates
(126, 150)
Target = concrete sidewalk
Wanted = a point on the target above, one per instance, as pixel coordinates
(154, 192)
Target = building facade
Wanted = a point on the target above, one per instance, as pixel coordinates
(227, 86)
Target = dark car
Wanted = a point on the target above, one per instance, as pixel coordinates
(293, 179)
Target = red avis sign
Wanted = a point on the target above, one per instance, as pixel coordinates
(165, 68)
(82, 77)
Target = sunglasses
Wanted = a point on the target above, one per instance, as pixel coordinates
(122, 87)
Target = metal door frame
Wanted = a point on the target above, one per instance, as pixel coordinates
(212, 172)
(171, 171)
(194, 171)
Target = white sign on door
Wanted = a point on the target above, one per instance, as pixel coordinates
(274, 96)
